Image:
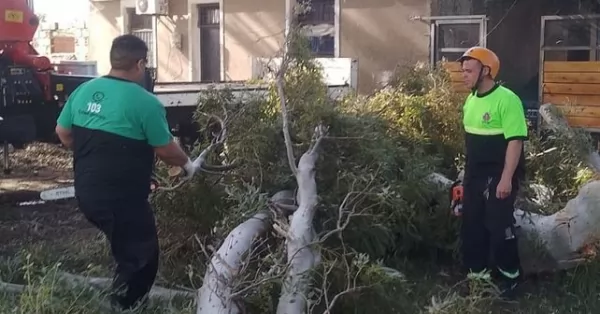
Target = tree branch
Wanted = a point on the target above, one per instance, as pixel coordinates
(218, 140)
(216, 295)
(280, 79)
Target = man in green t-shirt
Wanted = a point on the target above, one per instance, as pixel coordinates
(495, 127)
(115, 127)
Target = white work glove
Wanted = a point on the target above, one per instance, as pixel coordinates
(190, 170)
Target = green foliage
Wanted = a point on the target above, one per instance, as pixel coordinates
(45, 291)
(558, 161)
(421, 104)
(373, 164)
(372, 172)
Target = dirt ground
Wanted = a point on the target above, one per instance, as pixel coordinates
(56, 231)
(50, 228)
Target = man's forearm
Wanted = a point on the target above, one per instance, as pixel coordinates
(513, 154)
(172, 154)
(66, 138)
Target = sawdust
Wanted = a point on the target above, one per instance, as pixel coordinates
(38, 167)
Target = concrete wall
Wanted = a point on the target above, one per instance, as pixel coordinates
(380, 34)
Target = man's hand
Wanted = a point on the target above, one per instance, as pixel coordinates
(190, 170)
(503, 189)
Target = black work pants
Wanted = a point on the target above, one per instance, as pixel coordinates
(130, 228)
(488, 225)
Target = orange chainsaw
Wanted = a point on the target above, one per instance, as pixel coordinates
(456, 198)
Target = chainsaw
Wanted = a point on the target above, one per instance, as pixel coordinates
(69, 192)
(456, 198)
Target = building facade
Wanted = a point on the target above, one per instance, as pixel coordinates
(217, 40)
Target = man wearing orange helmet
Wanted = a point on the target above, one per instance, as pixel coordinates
(495, 126)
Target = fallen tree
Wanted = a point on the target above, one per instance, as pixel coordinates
(567, 237)
(317, 219)
(315, 256)
(324, 232)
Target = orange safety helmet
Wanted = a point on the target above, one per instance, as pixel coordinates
(487, 57)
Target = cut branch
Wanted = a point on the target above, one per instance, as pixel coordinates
(11, 287)
(280, 79)
(562, 240)
(560, 125)
(300, 237)
(76, 281)
(301, 256)
(156, 293)
(216, 296)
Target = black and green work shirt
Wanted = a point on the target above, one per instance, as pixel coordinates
(115, 125)
(491, 120)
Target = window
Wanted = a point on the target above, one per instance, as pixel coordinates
(318, 21)
(570, 38)
(452, 36)
(142, 26)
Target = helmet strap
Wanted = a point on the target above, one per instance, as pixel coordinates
(480, 77)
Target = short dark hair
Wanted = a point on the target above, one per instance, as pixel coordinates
(126, 51)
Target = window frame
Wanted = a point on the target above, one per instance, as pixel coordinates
(336, 27)
(437, 21)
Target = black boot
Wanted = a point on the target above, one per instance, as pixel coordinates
(509, 288)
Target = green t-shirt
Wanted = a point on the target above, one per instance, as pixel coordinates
(492, 120)
(119, 107)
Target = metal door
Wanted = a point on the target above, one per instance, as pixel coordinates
(210, 42)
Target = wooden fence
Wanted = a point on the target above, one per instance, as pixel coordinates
(455, 71)
(574, 87)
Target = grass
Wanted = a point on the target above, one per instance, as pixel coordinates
(432, 290)
(45, 292)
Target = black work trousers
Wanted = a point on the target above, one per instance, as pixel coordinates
(488, 226)
(130, 228)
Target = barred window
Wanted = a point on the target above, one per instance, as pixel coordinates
(319, 21)
(141, 26)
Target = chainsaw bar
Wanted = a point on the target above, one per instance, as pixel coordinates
(58, 194)
(69, 192)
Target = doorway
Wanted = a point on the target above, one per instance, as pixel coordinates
(209, 23)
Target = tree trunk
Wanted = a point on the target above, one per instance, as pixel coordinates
(301, 256)
(216, 294)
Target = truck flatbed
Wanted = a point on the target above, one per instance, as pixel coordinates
(183, 94)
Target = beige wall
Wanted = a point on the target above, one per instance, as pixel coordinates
(103, 24)
(380, 34)
(173, 62)
(249, 30)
